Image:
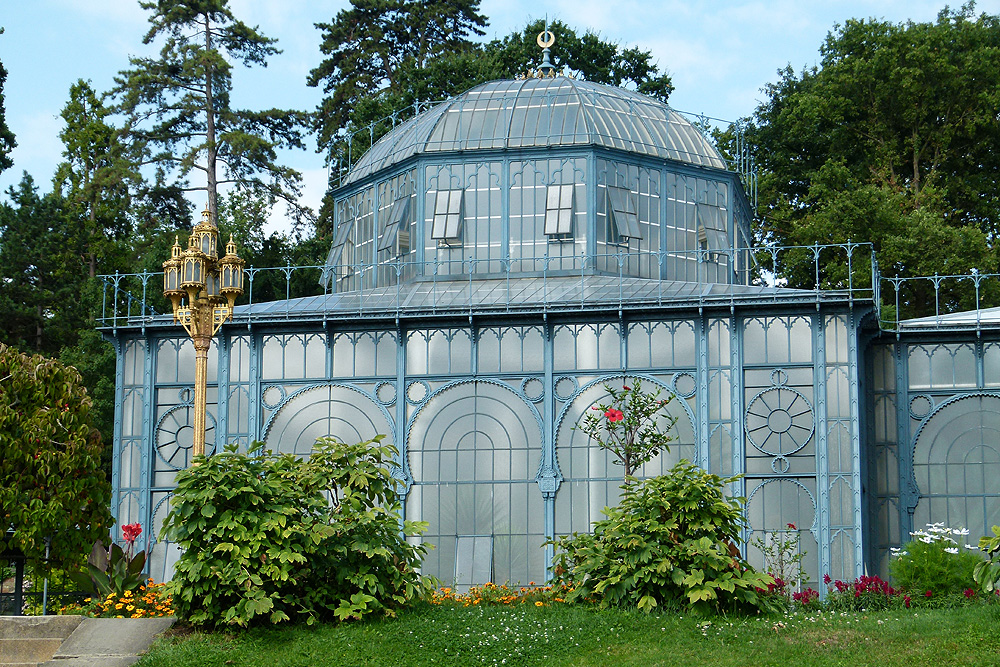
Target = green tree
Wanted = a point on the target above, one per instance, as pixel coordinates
(892, 139)
(372, 44)
(51, 484)
(41, 271)
(97, 177)
(180, 103)
(7, 142)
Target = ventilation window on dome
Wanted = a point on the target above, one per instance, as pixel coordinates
(559, 210)
(447, 224)
(622, 211)
(393, 233)
(712, 227)
(339, 241)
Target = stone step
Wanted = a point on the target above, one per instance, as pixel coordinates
(38, 627)
(92, 661)
(28, 650)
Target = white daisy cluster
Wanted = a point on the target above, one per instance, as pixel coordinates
(938, 532)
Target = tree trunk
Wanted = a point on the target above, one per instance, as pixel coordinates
(210, 130)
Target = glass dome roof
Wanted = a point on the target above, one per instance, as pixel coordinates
(543, 112)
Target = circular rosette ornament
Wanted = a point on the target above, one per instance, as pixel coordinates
(779, 421)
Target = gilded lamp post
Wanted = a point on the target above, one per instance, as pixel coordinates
(202, 288)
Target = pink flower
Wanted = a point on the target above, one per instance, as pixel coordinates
(614, 415)
(130, 531)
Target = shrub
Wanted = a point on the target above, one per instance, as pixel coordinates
(934, 561)
(282, 538)
(987, 573)
(670, 541)
(52, 489)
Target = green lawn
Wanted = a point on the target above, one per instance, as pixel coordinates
(576, 635)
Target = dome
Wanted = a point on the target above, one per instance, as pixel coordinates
(528, 113)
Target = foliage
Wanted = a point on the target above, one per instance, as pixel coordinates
(43, 275)
(51, 485)
(782, 552)
(97, 178)
(180, 102)
(893, 140)
(369, 45)
(670, 541)
(114, 571)
(94, 358)
(7, 142)
(933, 561)
(279, 538)
(629, 426)
(503, 594)
(150, 600)
(987, 573)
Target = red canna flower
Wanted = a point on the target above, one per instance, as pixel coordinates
(131, 531)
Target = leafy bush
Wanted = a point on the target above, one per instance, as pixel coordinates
(52, 489)
(282, 538)
(933, 561)
(670, 541)
(987, 573)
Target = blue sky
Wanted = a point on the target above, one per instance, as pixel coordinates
(720, 54)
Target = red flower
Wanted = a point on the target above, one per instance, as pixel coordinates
(791, 526)
(826, 579)
(614, 415)
(927, 594)
(130, 531)
(969, 592)
(906, 601)
(626, 387)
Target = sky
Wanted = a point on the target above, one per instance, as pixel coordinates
(720, 54)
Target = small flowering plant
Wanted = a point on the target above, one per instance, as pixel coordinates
(934, 563)
(870, 593)
(783, 555)
(114, 571)
(987, 573)
(149, 601)
(628, 425)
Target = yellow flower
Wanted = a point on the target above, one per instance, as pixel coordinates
(119, 605)
(539, 604)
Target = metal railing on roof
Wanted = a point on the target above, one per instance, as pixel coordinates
(474, 286)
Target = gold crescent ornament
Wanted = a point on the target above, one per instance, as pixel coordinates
(546, 39)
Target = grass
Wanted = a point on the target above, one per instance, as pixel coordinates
(578, 635)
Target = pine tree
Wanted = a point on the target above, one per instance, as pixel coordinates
(7, 142)
(179, 103)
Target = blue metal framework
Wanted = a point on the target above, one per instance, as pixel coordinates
(478, 347)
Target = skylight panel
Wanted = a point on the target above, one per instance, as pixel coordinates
(447, 223)
(397, 218)
(559, 210)
(622, 210)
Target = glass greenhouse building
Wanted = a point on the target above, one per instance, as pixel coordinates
(500, 258)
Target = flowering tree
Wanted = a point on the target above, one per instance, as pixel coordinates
(628, 426)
